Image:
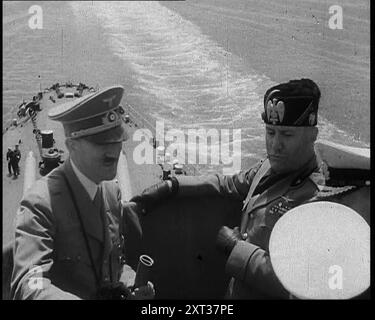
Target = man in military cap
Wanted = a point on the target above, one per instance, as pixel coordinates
(69, 240)
(288, 177)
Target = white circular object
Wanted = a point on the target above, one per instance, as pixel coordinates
(175, 161)
(321, 250)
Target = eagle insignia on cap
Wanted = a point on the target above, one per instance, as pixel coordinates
(275, 111)
(111, 116)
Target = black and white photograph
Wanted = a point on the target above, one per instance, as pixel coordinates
(201, 151)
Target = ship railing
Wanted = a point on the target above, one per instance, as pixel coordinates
(143, 122)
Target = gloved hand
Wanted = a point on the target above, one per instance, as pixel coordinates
(115, 291)
(227, 239)
(157, 193)
(143, 293)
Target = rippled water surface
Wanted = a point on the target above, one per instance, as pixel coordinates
(200, 64)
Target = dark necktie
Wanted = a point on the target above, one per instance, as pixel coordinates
(98, 198)
(98, 203)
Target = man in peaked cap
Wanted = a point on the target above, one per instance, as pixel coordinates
(69, 241)
(285, 179)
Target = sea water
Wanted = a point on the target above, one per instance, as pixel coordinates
(196, 64)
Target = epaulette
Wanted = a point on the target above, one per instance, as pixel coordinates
(327, 191)
(325, 187)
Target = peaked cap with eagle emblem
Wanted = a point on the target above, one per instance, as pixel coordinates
(97, 117)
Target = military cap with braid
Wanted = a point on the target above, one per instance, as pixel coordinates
(97, 117)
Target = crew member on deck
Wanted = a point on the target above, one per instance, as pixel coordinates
(15, 159)
(9, 158)
(69, 238)
(288, 177)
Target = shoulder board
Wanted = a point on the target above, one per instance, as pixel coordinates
(327, 191)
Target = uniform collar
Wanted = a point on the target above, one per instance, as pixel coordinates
(274, 187)
(90, 186)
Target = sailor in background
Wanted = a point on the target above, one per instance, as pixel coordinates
(14, 157)
(16, 160)
(288, 177)
(9, 158)
(69, 240)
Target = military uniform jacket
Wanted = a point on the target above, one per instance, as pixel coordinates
(249, 262)
(51, 260)
(16, 155)
(9, 155)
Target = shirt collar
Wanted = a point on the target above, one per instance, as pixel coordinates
(90, 186)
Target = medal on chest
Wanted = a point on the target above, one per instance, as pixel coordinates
(281, 206)
(276, 210)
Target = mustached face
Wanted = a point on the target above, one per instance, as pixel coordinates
(98, 162)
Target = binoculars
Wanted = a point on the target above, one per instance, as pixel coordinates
(118, 291)
(113, 291)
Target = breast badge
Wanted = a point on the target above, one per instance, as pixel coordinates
(281, 206)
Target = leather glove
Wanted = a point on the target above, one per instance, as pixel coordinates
(146, 292)
(227, 239)
(157, 193)
(116, 291)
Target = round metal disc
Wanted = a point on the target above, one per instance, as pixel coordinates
(321, 250)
